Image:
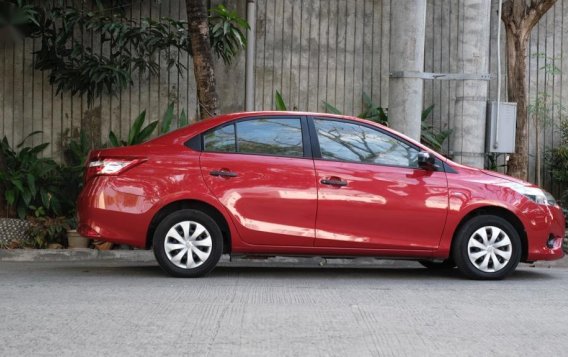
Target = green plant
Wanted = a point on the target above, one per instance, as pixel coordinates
(557, 157)
(183, 119)
(169, 119)
(75, 148)
(29, 181)
(492, 161)
(430, 136)
(47, 230)
(136, 134)
(544, 107)
(279, 102)
(17, 14)
(226, 31)
(371, 110)
(79, 68)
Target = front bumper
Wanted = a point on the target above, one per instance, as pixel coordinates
(545, 234)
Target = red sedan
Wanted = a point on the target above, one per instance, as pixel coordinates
(290, 183)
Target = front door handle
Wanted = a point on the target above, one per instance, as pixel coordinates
(334, 182)
(223, 173)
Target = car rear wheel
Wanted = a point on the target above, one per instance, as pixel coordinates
(487, 247)
(188, 243)
(443, 265)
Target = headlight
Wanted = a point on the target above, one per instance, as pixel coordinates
(533, 193)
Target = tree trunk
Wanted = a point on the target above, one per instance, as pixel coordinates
(517, 89)
(519, 17)
(203, 66)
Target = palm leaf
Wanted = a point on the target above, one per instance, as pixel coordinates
(280, 105)
(330, 108)
(167, 120)
(136, 127)
(113, 139)
(426, 112)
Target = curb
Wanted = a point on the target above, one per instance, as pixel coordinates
(71, 255)
(146, 256)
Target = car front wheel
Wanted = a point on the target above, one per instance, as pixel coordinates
(487, 247)
(188, 243)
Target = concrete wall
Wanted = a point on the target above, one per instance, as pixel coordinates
(332, 50)
(28, 102)
(310, 50)
(444, 25)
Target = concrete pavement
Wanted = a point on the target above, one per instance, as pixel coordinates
(130, 308)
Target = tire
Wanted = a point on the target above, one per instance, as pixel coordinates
(487, 247)
(188, 231)
(443, 265)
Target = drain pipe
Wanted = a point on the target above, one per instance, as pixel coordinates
(249, 67)
(496, 131)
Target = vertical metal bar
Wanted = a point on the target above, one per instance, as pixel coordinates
(251, 42)
(496, 131)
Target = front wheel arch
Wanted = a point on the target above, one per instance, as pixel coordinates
(191, 204)
(500, 212)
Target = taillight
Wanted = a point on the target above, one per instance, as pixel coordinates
(109, 166)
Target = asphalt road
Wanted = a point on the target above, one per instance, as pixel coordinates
(103, 308)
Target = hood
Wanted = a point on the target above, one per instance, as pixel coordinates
(506, 177)
(495, 175)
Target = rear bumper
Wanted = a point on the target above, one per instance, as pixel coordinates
(107, 212)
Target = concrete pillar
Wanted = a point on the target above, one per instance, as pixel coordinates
(468, 136)
(407, 31)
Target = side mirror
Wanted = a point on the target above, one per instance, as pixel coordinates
(426, 161)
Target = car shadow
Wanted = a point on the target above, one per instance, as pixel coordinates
(146, 270)
(363, 273)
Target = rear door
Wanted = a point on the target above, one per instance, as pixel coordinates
(261, 170)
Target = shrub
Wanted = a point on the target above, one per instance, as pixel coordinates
(29, 180)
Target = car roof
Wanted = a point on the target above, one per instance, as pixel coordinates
(181, 135)
(225, 118)
(204, 125)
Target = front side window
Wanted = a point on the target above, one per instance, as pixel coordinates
(281, 137)
(343, 141)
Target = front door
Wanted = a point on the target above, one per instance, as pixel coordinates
(261, 170)
(372, 193)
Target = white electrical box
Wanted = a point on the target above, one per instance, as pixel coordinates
(500, 137)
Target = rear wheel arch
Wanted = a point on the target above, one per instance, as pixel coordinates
(204, 207)
(500, 212)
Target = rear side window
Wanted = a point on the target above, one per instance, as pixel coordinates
(263, 136)
(220, 140)
(281, 137)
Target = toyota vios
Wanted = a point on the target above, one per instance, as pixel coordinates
(289, 183)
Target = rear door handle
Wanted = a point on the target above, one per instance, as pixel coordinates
(334, 182)
(223, 173)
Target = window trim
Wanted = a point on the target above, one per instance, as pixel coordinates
(306, 142)
(317, 150)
